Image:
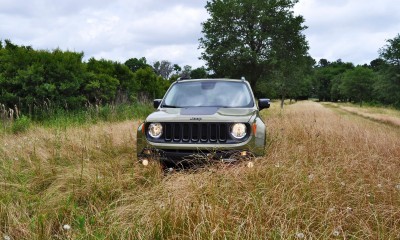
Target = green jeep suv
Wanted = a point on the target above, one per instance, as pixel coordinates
(203, 119)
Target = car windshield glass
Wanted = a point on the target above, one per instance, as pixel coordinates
(209, 94)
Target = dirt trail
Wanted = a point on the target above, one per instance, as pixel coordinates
(366, 113)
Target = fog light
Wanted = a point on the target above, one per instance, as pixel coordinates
(145, 162)
(147, 151)
(244, 153)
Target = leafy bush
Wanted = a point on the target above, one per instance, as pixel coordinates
(21, 124)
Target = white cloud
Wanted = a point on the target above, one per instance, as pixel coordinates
(352, 30)
(182, 53)
(116, 30)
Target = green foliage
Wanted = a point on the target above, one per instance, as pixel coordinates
(61, 118)
(150, 85)
(197, 73)
(39, 82)
(357, 84)
(391, 51)
(257, 39)
(177, 68)
(377, 83)
(29, 77)
(21, 125)
(135, 64)
(100, 87)
(387, 86)
(327, 79)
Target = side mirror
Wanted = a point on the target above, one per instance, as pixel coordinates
(156, 103)
(263, 103)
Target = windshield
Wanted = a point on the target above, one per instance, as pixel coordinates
(209, 94)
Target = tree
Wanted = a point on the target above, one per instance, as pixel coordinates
(336, 92)
(323, 62)
(31, 77)
(187, 70)
(176, 74)
(135, 64)
(197, 73)
(391, 51)
(387, 87)
(377, 64)
(65, 71)
(101, 83)
(128, 86)
(327, 79)
(163, 68)
(100, 87)
(177, 68)
(151, 85)
(357, 84)
(289, 74)
(37, 81)
(245, 38)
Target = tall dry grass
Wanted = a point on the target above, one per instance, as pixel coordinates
(325, 175)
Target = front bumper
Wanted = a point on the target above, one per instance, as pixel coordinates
(173, 152)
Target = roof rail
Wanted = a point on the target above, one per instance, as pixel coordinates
(182, 78)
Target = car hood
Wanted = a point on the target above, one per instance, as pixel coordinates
(202, 114)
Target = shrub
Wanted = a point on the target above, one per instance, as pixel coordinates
(21, 124)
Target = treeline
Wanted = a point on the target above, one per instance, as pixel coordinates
(33, 80)
(377, 82)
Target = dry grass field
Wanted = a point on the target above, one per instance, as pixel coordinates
(328, 174)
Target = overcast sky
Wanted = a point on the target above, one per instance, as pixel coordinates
(352, 30)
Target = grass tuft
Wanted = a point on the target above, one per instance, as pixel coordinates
(21, 125)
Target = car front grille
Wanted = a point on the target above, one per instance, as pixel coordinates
(201, 133)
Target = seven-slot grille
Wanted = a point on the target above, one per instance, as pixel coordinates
(201, 133)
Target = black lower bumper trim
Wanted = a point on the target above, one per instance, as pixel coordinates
(188, 157)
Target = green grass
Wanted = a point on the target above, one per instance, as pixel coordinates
(108, 113)
(60, 118)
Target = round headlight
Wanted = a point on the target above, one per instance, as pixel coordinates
(155, 130)
(238, 130)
